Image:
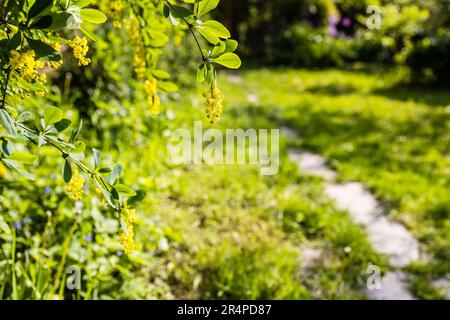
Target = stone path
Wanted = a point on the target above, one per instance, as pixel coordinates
(387, 237)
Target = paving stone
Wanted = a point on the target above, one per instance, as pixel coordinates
(393, 287)
(312, 164)
(387, 237)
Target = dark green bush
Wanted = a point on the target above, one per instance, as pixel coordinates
(430, 60)
(304, 46)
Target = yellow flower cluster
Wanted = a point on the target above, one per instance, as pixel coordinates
(127, 235)
(213, 104)
(154, 100)
(139, 66)
(80, 49)
(75, 186)
(3, 171)
(116, 9)
(27, 64)
(57, 47)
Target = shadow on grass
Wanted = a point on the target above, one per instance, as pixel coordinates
(333, 90)
(425, 95)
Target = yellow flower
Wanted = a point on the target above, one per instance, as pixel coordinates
(127, 234)
(43, 78)
(150, 87)
(27, 64)
(139, 66)
(57, 47)
(154, 100)
(75, 186)
(213, 104)
(3, 170)
(16, 61)
(116, 9)
(80, 50)
(154, 106)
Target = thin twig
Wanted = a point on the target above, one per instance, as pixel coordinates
(5, 88)
(191, 28)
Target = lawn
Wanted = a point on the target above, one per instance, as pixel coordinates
(371, 129)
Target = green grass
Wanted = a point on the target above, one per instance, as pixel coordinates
(371, 129)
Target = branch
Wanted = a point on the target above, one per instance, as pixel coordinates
(95, 176)
(5, 88)
(191, 28)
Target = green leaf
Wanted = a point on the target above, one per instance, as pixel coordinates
(76, 133)
(218, 50)
(41, 140)
(23, 157)
(38, 7)
(167, 86)
(15, 41)
(62, 125)
(4, 226)
(43, 50)
(140, 195)
(97, 157)
(114, 194)
(116, 173)
(231, 45)
(8, 122)
(67, 172)
(181, 12)
(202, 72)
(216, 28)
(52, 115)
(83, 3)
(210, 74)
(79, 149)
(206, 6)
(15, 166)
(24, 117)
(124, 190)
(166, 10)
(161, 74)
(208, 35)
(43, 23)
(92, 16)
(229, 60)
(59, 20)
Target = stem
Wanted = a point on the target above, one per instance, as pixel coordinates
(5, 88)
(94, 175)
(64, 153)
(191, 28)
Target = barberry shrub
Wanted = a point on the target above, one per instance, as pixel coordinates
(34, 39)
